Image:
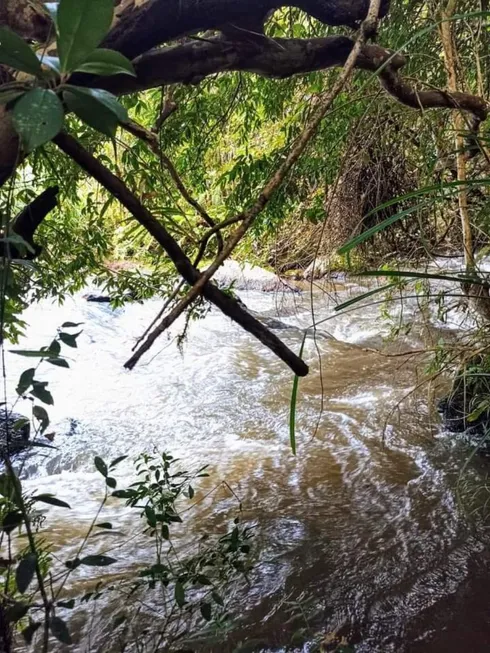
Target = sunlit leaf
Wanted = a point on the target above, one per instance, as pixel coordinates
(33, 353)
(82, 24)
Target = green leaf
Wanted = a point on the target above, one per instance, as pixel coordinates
(9, 95)
(29, 632)
(179, 593)
(25, 381)
(111, 482)
(59, 630)
(69, 605)
(294, 401)
(10, 487)
(32, 353)
(100, 466)
(16, 612)
(40, 414)
(11, 520)
(82, 24)
(39, 391)
(97, 108)
(123, 494)
(107, 525)
(406, 274)
(15, 52)
(206, 611)
(59, 362)
(97, 561)
(71, 325)
(365, 295)
(20, 423)
(69, 339)
(107, 62)
(217, 598)
(53, 501)
(117, 461)
(55, 347)
(191, 492)
(365, 235)
(25, 572)
(38, 117)
(18, 241)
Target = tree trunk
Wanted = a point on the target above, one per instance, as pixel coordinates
(479, 297)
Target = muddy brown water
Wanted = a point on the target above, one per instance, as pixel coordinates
(371, 519)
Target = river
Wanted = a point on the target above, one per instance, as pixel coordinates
(370, 519)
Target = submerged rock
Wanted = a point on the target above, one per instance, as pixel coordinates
(16, 429)
(101, 299)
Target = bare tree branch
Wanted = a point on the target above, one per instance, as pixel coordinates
(228, 305)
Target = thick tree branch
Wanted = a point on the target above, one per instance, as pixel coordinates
(225, 303)
(281, 58)
(29, 219)
(160, 21)
(275, 58)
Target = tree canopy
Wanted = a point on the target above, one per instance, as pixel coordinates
(220, 101)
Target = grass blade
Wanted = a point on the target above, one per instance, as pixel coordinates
(294, 400)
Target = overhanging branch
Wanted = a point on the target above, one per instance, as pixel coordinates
(159, 21)
(228, 305)
(282, 58)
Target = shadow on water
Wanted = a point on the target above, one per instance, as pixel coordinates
(368, 525)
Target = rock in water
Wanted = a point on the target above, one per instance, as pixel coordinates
(16, 428)
(101, 299)
(250, 277)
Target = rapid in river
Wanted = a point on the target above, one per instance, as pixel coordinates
(371, 519)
